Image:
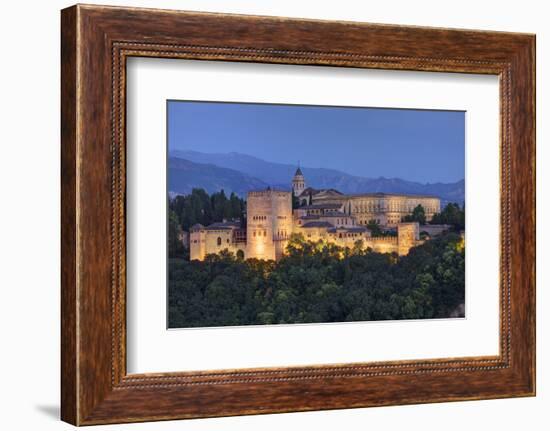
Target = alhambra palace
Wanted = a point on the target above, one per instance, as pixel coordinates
(326, 215)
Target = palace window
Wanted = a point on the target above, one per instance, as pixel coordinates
(219, 241)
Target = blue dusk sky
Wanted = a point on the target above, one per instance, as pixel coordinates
(426, 146)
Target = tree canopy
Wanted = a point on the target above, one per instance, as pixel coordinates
(374, 228)
(199, 207)
(418, 214)
(319, 282)
(453, 215)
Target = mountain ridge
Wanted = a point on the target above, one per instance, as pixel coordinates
(263, 173)
(185, 175)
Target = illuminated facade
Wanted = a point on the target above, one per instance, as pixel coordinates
(326, 215)
(269, 223)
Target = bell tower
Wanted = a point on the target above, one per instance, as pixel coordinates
(298, 182)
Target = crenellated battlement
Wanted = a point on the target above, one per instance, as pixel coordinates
(384, 239)
(268, 193)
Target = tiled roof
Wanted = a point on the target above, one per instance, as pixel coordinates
(329, 215)
(320, 206)
(317, 224)
(336, 214)
(383, 195)
(224, 225)
(311, 191)
(356, 229)
(269, 189)
(331, 191)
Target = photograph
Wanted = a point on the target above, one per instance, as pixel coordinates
(303, 214)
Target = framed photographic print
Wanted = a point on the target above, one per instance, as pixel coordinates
(268, 215)
(288, 244)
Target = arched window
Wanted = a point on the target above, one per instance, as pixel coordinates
(219, 241)
(240, 254)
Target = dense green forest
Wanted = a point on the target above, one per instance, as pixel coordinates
(319, 282)
(199, 207)
(452, 214)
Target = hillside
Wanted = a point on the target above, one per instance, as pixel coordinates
(185, 175)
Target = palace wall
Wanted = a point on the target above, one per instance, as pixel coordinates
(387, 210)
(197, 244)
(267, 236)
(205, 241)
(384, 244)
(221, 239)
(408, 236)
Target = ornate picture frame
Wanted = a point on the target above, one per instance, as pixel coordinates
(96, 41)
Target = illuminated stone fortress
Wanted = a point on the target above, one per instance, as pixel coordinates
(326, 215)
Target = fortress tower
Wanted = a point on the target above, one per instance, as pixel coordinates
(408, 235)
(268, 223)
(197, 242)
(298, 182)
